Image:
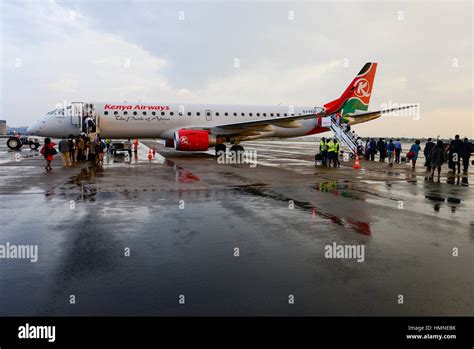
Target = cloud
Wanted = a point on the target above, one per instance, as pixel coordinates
(75, 62)
(143, 51)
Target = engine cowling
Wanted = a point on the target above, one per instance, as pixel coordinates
(193, 140)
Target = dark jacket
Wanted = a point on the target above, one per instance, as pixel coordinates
(428, 148)
(467, 149)
(437, 156)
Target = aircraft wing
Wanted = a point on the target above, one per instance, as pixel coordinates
(261, 125)
(375, 114)
(265, 124)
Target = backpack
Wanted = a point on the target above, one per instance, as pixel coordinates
(52, 151)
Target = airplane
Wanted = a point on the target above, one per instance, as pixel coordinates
(198, 127)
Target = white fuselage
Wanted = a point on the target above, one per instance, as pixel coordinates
(155, 120)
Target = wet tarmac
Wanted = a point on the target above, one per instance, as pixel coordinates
(182, 216)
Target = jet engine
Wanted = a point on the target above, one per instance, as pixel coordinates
(193, 140)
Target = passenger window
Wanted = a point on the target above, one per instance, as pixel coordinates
(153, 113)
(235, 114)
(198, 113)
(217, 114)
(106, 112)
(264, 114)
(189, 113)
(125, 112)
(271, 114)
(162, 113)
(144, 113)
(258, 114)
(171, 113)
(115, 112)
(250, 114)
(278, 114)
(226, 113)
(208, 114)
(243, 114)
(134, 113)
(286, 115)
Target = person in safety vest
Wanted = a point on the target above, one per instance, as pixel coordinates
(323, 150)
(336, 153)
(331, 149)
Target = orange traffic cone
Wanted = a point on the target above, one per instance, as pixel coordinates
(357, 163)
(149, 155)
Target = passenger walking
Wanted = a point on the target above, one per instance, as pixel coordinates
(427, 152)
(467, 149)
(323, 151)
(99, 151)
(373, 149)
(63, 147)
(455, 152)
(398, 150)
(391, 152)
(437, 158)
(359, 146)
(413, 153)
(48, 152)
(90, 124)
(367, 149)
(382, 148)
(80, 149)
(72, 146)
(336, 153)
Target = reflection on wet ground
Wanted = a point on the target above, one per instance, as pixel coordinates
(182, 217)
(259, 190)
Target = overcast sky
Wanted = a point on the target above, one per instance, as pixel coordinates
(288, 53)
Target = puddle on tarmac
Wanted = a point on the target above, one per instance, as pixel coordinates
(348, 223)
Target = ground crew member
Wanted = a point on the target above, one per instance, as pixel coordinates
(331, 149)
(323, 150)
(336, 153)
(107, 143)
(135, 145)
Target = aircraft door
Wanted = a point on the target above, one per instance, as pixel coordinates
(76, 114)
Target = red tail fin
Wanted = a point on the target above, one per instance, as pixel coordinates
(357, 94)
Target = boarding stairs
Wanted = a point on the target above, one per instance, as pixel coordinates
(343, 137)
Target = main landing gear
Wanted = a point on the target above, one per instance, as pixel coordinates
(220, 148)
(234, 149)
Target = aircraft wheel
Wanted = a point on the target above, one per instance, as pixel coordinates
(14, 143)
(34, 146)
(220, 148)
(351, 155)
(237, 148)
